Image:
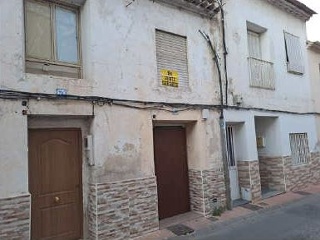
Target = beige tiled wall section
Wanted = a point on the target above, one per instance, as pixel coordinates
(15, 217)
(205, 187)
(249, 177)
(123, 210)
(272, 173)
(299, 176)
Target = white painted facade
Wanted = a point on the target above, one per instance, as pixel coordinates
(292, 91)
(266, 114)
(119, 62)
(118, 55)
(275, 21)
(314, 68)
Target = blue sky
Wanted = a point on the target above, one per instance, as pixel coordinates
(313, 25)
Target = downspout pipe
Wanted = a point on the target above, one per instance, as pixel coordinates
(225, 52)
(222, 125)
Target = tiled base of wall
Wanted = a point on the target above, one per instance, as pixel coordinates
(299, 176)
(249, 178)
(272, 173)
(205, 187)
(123, 210)
(15, 217)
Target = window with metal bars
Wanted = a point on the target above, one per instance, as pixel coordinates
(299, 148)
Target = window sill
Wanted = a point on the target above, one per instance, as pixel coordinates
(297, 165)
(293, 69)
(54, 69)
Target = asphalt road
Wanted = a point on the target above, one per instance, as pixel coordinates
(299, 220)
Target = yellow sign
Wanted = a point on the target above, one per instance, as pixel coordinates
(169, 78)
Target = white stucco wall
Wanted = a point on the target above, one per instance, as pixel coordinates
(13, 150)
(298, 124)
(245, 136)
(274, 127)
(269, 129)
(118, 49)
(119, 61)
(314, 69)
(292, 92)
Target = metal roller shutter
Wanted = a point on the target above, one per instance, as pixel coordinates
(171, 50)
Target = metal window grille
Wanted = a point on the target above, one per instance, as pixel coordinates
(171, 52)
(299, 148)
(230, 146)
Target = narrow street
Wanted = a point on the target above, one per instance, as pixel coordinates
(299, 220)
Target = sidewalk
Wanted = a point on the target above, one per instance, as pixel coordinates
(194, 222)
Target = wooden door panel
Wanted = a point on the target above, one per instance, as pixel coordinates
(171, 171)
(48, 200)
(55, 175)
(55, 184)
(53, 221)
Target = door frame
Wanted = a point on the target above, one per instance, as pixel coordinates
(174, 126)
(80, 159)
(235, 167)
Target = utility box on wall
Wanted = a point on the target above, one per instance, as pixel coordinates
(261, 142)
(246, 194)
(88, 147)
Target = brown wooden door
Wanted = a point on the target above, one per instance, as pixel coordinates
(55, 184)
(171, 171)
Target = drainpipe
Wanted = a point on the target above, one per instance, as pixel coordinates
(222, 125)
(225, 160)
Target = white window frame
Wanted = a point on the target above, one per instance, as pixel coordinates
(53, 66)
(294, 57)
(299, 146)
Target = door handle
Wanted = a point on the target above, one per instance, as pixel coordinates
(56, 199)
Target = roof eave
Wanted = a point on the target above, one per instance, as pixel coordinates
(314, 46)
(294, 7)
(204, 8)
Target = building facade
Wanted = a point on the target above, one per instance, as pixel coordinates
(117, 114)
(273, 127)
(314, 70)
(97, 99)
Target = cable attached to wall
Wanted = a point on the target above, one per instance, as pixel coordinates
(147, 105)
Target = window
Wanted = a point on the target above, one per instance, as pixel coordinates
(261, 71)
(293, 54)
(172, 62)
(52, 43)
(254, 45)
(299, 148)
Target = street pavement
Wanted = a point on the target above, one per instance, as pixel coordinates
(298, 220)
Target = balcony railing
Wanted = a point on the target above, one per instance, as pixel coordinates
(261, 73)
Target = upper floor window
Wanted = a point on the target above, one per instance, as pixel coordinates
(254, 45)
(52, 39)
(172, 61)
(293, 54)
(260, 70)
